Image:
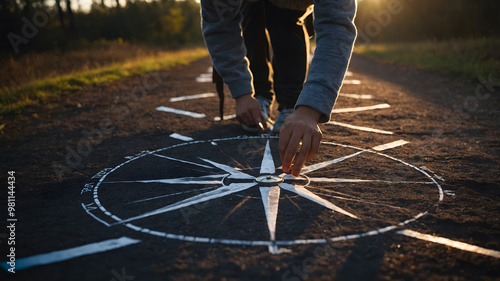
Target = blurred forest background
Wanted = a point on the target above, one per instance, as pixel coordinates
(163, 22)
(430, 19)
(37, 25)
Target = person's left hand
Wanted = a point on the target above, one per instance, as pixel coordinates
(248, 110)
(301, 125)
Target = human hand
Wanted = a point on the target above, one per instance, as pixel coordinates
(248, 111)
(302, 124)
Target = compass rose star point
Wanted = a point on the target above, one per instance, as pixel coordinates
(208, 179)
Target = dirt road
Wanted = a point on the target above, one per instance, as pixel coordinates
(412, 157)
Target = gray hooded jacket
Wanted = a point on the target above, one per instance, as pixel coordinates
(335, 35)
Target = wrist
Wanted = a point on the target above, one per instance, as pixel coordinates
(309, 112)
(244, 98)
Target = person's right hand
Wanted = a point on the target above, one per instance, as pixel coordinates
(301, 125)
(248, 111)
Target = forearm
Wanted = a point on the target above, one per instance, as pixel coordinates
(335, 35)
(222, 34)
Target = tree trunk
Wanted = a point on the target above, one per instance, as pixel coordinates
(71, 17)
(61, 14)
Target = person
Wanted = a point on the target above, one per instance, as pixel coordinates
(335, 35)
(279, 71)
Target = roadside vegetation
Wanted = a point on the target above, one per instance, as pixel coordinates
(57, 48)
(467, 58)
(16, 97)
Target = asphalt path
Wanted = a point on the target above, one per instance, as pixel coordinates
(136, 180)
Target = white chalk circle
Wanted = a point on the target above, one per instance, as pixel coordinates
(235, 193)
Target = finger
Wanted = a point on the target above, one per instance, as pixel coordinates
(291, 150)
(315, 143)
(284, 139)
(256, 116)
(302, 155)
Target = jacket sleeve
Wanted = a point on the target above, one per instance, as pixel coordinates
(223, 38)
(335, 35)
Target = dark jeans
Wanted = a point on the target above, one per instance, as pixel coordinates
(277, 49)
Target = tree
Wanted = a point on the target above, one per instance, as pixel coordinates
(60, 13)
(71, 17)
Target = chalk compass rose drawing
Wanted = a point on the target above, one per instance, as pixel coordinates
(237, 194)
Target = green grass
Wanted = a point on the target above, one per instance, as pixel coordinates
(465, 58)
(13, 99)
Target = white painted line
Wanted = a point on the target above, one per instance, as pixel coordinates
(367, 129)
(210, 69)
(267, 165)
(235, 174)
(362, 108)
(317, 166)
(181, 112)
(200, 198)
(359, 200)
(320, 165)
(284, 242)
(168, 195)
(182, 161)
(351, 82)
(87, 210)
(203, 79)
(209, 179)
(390, 145)
(440, 189)
(366, 234)
(300, 190)
(448, 242)
(226, 117)
(181, 137)
(192, 97)
(206, 75)
(62, 255)
(270, 199)
(348, 73)
(352, 236)
(434, 174)
(356, 96)
(339, 180)
(449, 192)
